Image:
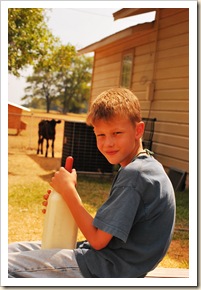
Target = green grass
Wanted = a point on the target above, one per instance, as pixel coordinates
(27, 200)
(94, 191)
(25, 205)
(182, 216)
(182, 204)
(26, 218)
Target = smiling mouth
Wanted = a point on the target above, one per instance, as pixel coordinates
(111, 152)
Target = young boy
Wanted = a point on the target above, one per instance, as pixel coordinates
(132, 230)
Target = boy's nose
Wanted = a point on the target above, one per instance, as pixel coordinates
(109, 141)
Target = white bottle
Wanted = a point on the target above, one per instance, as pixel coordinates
(60, 229)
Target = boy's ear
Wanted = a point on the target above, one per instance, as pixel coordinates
(139, 130)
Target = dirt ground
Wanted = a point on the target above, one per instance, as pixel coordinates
(24, 164)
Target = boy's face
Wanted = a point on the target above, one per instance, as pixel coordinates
(118, 139)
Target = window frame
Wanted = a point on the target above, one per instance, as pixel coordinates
(122, 82)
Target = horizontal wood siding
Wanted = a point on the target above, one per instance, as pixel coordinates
(171, 98)
(163, 59)
(107, 62)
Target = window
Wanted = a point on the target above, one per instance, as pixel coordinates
(126, 70)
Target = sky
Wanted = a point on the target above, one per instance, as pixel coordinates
(79, 27)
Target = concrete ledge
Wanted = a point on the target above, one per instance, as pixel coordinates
(168, 273)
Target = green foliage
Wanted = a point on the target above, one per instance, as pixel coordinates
(60, 77)
(74, 84)
(37, 103)
(43, 82)
(28, 37)
(63, 79)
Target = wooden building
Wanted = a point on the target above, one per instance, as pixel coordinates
(152, 59)
(14, 117)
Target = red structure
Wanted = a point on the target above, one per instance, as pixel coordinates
(14, 117)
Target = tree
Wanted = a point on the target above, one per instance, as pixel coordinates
(43, 82)
(62, 78)
(28, 37)
(74, 84)
(41, 87)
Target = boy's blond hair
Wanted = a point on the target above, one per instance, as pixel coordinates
(114, 102)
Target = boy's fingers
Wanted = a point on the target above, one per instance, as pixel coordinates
(44, 203)
(44, 210)
(46, 196)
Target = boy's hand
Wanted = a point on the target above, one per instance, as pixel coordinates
(63, 182)
(45, 202)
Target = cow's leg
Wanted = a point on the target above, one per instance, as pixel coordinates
(41, 150)
(40, 145)
(47, 146)
(53, 148)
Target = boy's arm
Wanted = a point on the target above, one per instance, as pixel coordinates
(64, 183)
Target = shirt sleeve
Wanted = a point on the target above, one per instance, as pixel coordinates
(117, 214)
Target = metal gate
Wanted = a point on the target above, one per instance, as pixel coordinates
(80, 142)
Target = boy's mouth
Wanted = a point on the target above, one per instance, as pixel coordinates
(113, 152)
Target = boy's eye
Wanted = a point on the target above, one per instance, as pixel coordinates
(114, 134)
(100, 135)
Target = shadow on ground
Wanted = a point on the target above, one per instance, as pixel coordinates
(46, 163)
(47, 177)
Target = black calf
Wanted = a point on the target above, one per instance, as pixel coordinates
(46, 130)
